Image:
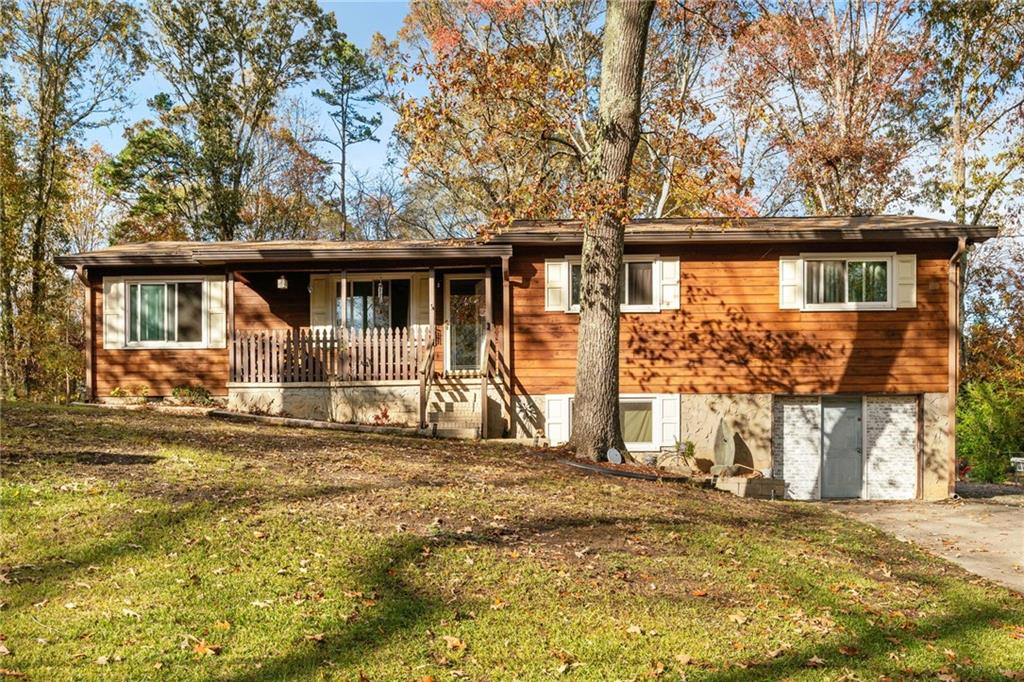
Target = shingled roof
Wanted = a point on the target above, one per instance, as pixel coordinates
(689, 230)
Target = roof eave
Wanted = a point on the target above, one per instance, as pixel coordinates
(292, 255)
(973, 234)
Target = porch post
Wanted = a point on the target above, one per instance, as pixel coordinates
(486, 360)
(343, 322)
(231, 324)
(507, 405)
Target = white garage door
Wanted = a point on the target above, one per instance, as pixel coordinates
(815, 444)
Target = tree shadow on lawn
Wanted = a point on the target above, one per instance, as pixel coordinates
(145, 532)
(83, 457)
(402, 608)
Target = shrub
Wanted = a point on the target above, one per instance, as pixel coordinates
(990, 425)
(192, 395)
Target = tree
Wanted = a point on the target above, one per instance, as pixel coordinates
(596, 417)
(349, 74)
(841, 87)
(978, 47)
(91, 213)
(510, 114)
(227, 63)
(75, 61)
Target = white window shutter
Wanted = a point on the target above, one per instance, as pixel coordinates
(906, 281)
(556, 419)
(321, 316)
(791, 282)
(556, 285)
(114, 312)
(421, 299)
(670, 283)
(669, 404)
(216, 311)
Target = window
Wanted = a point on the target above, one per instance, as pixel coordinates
(636, 420)
(846, 281)
(636, 292)
(165, 313)
(375, 304)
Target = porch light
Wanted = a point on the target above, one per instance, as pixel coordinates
(282, 282)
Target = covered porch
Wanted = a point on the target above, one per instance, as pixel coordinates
(393, 338)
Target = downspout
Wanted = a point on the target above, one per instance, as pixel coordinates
(955, 333)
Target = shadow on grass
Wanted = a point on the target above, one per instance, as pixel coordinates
(84, 457)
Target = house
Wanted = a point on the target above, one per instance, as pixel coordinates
(823, 349)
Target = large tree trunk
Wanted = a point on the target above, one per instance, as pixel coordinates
(596, 411)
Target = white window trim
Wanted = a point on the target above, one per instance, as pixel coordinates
(889, 257)
(654, 307)
(157, 279)
(649, 398)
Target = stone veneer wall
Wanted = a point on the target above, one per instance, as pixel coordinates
(937, 468)
(749, 417)
(360, 404)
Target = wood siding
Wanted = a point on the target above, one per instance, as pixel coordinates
(158, 369)
(259, 304)
(730, 336)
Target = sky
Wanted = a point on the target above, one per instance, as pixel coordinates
(358, 19)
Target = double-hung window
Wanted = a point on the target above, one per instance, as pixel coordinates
(637, 292)
(166, 313)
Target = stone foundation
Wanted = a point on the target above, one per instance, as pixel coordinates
(749, 417)
(394, 403)
(937, 466)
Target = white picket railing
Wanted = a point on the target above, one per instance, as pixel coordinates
(316, 355)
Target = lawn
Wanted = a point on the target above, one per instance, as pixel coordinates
(138, 545)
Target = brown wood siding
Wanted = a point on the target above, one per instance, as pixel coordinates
(259, 304)
(730, 336)
(158, 369)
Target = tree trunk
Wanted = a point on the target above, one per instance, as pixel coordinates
(596, 406)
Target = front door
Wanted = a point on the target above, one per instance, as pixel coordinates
(465, 322)
(842, 462)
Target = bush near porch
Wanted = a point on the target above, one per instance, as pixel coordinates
(149, 546)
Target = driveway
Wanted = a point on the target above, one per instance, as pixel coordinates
(983, 531)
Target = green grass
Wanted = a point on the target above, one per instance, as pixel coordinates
(137, 545)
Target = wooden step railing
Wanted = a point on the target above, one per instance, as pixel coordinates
(333, 354)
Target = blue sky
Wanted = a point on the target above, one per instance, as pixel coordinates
(359, 19)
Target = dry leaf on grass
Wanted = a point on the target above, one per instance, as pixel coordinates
(814, 662)
(453, 643)
(201, 648)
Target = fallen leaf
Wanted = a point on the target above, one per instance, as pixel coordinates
(222, 625)
(635, 630)
(315, 637)
(814, 662)
(4, 651)
(11, 673)
(684, 659)
(498, 604)
(698, 593)
(71, 605)
(102, 660)
(738, 618)
(454, 643)
(849, 650)
(203, 649)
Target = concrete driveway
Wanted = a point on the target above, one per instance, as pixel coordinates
(983, 531)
